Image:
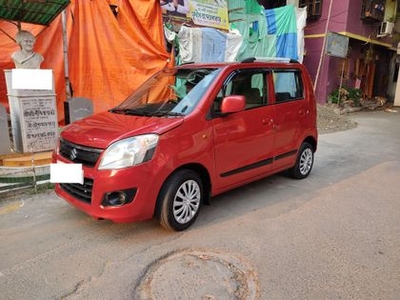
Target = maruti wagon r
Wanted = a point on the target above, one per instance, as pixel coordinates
(187, 134)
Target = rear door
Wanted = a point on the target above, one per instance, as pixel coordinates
(292, 111)
(243, 141)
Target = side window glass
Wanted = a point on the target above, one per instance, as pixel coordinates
(248, 83)
(288, 85)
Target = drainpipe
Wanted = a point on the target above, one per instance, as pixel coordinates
(321, 59)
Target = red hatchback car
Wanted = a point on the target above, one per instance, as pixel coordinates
(187, 134)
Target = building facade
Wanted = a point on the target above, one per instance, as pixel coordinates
(353, 43)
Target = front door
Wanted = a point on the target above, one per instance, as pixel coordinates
(243, 141)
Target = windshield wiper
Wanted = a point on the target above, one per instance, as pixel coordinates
(167, 113)
(136, 112)
(129, 111)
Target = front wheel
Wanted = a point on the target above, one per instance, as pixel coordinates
(304, 162)
(180, 199)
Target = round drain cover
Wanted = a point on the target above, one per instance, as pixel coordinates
(196, 274)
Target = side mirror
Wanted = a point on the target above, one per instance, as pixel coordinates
(231, 104)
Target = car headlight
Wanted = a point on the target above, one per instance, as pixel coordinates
(129, 152)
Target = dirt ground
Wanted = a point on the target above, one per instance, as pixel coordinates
(330, 121)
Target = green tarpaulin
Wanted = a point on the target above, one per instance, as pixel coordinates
(40, 12)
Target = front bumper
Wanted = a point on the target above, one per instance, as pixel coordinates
(142, 183)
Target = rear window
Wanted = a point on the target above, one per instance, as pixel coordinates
(288, 85)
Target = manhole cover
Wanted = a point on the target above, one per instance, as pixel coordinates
(196, 274)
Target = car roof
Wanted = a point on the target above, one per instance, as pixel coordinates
(251, 61)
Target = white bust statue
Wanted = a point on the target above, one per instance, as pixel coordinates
(26, 58)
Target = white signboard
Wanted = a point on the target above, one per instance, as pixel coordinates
(32, 79)
(337, 45)
(66, 173)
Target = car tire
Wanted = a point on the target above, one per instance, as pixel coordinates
(180, 199)
(304, 162)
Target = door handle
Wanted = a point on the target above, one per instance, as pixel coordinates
(268, 121)
(303, 112)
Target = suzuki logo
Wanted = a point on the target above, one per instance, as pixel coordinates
(73, 154)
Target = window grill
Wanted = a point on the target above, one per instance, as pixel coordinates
(314, 8)
(373, 10)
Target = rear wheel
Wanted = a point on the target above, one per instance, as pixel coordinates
(304, 162)
(180, 199)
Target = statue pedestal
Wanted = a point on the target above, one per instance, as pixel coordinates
(33, 113)
(5, 145)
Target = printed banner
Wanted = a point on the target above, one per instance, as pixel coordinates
(205, 13)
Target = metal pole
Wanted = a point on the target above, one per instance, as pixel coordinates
(341, 82)
(33, 169)
(65, 51)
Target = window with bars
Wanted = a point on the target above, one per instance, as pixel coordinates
(373, 10)
(314, 8)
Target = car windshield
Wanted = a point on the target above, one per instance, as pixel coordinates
(169, 93)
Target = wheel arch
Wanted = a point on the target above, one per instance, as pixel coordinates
(205, 178)
(312, 141)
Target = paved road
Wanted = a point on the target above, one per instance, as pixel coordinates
(335, 235)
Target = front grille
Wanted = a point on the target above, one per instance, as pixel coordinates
(86, 156)
(82, 192)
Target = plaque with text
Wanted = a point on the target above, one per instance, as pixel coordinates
(39, 123)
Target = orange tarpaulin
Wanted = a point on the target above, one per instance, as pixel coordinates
(108, 56)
